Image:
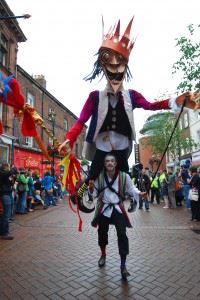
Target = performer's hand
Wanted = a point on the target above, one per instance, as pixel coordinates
(143, 194)
(65, 149)
(190, 100)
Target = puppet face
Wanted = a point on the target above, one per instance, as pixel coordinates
(114, 67)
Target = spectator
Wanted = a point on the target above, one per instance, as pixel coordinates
(194, 193)
(185, 177)
(47, 183)
(178, 189)
(6, 183)
(155, 189)
(171, 189)
(30, 193)
(22, 189)
(165, 188)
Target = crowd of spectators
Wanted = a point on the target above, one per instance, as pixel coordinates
(21, 191)
(169, 188)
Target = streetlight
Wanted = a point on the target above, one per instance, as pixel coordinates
(25, 16)
(52, 118)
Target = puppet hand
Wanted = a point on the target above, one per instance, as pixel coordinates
(190, 100)
(143, 194)
(65, 148)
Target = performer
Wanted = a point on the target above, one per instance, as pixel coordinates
(112, 186)
(112, 125)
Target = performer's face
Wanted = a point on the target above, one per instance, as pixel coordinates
(114, 67)
(110, 163)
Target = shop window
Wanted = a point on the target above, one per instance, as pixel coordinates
(3, 49)
(30, 99)
(29, 141)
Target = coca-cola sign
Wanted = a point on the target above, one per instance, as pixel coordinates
(31, 163)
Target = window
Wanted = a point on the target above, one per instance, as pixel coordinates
(180, 124)
(65, 124)
(30, 99)
(29, 141)
(186, 123)
(198, 136)
(50, 141)
(1, 110)
(3, 49)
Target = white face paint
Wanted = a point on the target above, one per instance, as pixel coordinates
(110, 163)
(114, 67)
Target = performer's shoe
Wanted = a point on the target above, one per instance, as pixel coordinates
(81, 190)
(102, 261)
(132, 206)
(124, 273)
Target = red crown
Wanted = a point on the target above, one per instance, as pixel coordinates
(121, 44)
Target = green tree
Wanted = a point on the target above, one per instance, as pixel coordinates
(188, 65)
(158, 129)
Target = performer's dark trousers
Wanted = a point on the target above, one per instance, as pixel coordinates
(98, 162)
(119, 221)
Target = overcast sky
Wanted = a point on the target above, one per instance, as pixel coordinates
(63, 36)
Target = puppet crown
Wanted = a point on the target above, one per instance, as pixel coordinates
(119, 43)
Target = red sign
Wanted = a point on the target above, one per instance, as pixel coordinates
(31, 163)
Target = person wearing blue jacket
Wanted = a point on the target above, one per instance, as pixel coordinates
(47, 183)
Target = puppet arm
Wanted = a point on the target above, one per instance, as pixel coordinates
(172, 103)
(73, 133)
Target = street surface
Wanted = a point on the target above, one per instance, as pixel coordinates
(50, 259)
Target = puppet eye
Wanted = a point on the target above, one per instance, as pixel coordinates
(105, 57)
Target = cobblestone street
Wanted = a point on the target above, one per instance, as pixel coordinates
(50, 259)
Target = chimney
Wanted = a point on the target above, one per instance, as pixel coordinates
(41, 80)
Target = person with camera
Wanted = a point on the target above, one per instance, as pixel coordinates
(6, 187)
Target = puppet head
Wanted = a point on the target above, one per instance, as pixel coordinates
(113, 56)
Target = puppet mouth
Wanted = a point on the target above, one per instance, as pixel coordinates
(118, 76)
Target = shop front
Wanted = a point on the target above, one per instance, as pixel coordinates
(34, 161)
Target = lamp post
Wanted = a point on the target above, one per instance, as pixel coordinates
(52, 118)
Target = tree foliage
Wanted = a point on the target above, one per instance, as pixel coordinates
(158, 129)
(188, 65)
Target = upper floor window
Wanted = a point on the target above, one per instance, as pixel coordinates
(3, 49)
(65, 124)
(29, 141)
(186, 122)
(30, 99)
(180, 124)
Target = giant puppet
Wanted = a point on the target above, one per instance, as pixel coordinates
(111, 127)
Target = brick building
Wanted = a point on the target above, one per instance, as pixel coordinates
(14, 148)
(148, 158)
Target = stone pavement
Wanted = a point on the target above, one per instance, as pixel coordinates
(50, 259)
